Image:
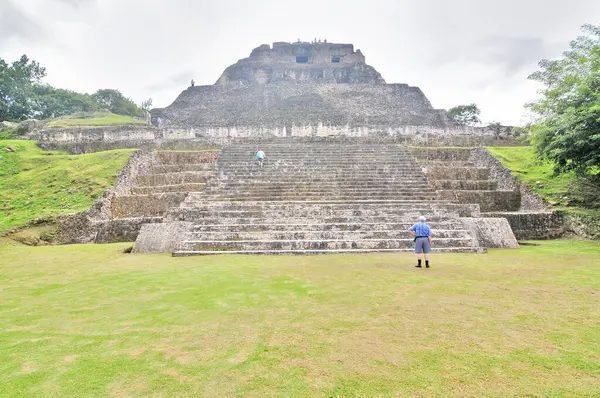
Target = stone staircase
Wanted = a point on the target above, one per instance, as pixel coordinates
(316, 197)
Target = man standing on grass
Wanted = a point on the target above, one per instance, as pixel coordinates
(422, 234)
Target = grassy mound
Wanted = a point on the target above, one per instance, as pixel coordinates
(95, 120)
(539, 175)
(35, 183)
(88, 320)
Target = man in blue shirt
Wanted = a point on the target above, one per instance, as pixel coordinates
(422, 234)
(260, 157)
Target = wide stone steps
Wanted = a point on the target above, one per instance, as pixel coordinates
(319, 186)
(339, 178)
(189, 253)
(287, 198)
(197, 202)
(315, 198)
(319, 235)
(312, 191)
(331, 244)
(437, 225)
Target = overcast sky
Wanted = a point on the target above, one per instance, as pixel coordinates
(457, 52)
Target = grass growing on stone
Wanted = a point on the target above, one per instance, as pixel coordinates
(91, 321)
(35, 183)
(522, 162)
(539, 175)
(99, 119)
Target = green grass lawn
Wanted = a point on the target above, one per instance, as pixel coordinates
(99, 119)
(78, 321)
(35, 183)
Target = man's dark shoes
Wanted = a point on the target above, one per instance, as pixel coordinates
(427, 266)
(418, 266)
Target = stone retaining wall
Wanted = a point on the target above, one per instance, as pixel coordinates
(80, 140)
(534, 226)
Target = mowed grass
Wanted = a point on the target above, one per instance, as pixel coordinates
(79, 321)
(35, 183)
(98, 119)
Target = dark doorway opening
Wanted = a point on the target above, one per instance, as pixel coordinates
(301, 60)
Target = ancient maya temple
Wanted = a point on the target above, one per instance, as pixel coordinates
(339, 174)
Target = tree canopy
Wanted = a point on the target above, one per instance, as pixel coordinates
(466, 115)
(17, 82)
(23, 96)
(568, 129)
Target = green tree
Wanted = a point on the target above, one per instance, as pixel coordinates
(50, 102)
(466, 115)
(116, 102)
(17, 82)
(568, 129)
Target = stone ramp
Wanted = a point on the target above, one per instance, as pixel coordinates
(314, 198)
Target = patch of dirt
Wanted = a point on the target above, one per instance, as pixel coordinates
(71, 358)
(181, 378)
(28, 367)
(138, 352)
(238, 358)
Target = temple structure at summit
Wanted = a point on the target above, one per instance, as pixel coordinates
(299, 88)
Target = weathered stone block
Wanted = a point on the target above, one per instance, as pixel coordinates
(537, 225)
(161, 238)
(487, 200)
(492, 232)
(145, 205)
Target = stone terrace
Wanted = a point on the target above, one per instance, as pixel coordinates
(315, 197)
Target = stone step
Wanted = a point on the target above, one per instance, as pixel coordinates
(322, 157)
(445, 163)
(337, 168)
(168, 188)
(283, 213)
(464, 185)
(309, 190)
(407, 218)
(309, 149)
(285, 198)
(186, 157)
(442, 154)
(318, 148)
(183, 253)
(307, 195)
(198, 202)
(441, 224)
(275, 184)
(489, 201)
(173, 178)
(457, 173)
(321, 235)
(178, 168)
(339, 178)
(325, 244)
